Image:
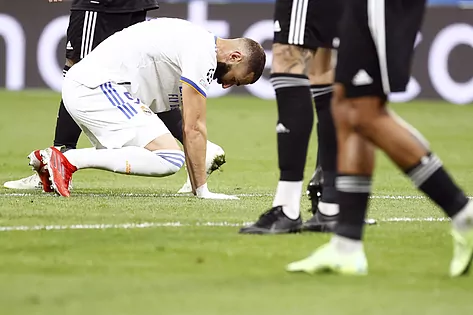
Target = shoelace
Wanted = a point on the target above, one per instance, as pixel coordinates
(269, 216)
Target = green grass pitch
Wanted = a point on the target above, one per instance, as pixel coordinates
(196, 268)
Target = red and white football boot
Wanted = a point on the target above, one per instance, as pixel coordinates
(40, 168)
(60, 170)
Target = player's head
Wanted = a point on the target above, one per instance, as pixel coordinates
(240, 61)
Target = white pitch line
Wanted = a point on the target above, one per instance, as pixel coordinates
(147, 225)
(137, 195)
(124, 226)
(121, 195)
(401, 197)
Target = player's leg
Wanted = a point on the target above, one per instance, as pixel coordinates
(141, 145)
(132, 160)
(81, 38)
(293, 50)
(321, 188)
(173, 120)
(357, 103)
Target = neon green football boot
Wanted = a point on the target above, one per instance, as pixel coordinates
(462, 253)
(327, 259)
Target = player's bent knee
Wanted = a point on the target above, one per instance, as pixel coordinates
(172, 160)
(163, 142)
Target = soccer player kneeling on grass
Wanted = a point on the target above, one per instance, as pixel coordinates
(108, 93)
(382, 34)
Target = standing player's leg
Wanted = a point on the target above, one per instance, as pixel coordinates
(81, 39)
(362, 120)
(321, 188)
(293, 50)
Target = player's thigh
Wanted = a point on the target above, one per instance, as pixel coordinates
(307, 23)
(110, 116)
(87, 29)
(300, 27)
(382, 63)
(321, 69)
(402, 24)
(79, 26)
(163, 142)
(291, 59)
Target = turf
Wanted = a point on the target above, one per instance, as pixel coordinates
(195, 268)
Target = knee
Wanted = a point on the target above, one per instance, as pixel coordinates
(321, 69)
(339, 106)
(355, 115)
(320, 78)
(365, 116)
(173, 160)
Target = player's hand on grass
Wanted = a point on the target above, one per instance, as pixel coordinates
(204, 193)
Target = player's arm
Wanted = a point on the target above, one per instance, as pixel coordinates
(195, 132)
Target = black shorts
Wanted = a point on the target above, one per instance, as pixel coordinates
(87, 29)
(376, 45)
(307, 23)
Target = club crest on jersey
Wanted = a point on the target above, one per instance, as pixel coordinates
(210, 75)
(146, 110)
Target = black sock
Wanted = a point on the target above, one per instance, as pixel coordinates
(317, 162)
(327, 140)
(431, 178)
(353, 196)
(295, 120)
(173, 120)
(67, 132)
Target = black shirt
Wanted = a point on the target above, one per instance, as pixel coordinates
(114, 6)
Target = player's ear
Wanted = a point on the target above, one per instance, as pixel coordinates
(236, 56)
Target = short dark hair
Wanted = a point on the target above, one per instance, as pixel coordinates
(256, 58)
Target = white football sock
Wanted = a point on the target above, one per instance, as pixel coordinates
(346, 245)
(288, 195)
(463, 220)
(328, 209)
(128, 160)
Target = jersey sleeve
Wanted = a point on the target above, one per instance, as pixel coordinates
(198, 68)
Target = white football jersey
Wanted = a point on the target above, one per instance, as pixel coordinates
(156, 57)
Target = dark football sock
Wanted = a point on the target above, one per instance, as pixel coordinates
(327, 140)
(431, 178)
(67, 132)
(294, 126)
(353, 196)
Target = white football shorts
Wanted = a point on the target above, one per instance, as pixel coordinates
(110, 116)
